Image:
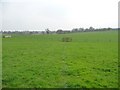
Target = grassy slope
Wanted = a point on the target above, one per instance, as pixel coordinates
(90, 60)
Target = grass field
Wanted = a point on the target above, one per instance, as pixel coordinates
(89, 61)
(0, 60)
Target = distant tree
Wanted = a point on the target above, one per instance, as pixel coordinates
(67, 31)
(42, 32)
(91, 29)
(75, 30)
(86, 30)
(47, 31)
(59, 31)
(109, 28)
(81, 29)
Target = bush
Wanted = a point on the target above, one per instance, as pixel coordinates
(3, 36)
(66, 39)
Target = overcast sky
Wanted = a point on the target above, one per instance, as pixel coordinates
(58, 14)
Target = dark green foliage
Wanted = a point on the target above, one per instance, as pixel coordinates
(66, 39)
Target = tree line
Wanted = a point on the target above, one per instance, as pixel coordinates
(59, 31)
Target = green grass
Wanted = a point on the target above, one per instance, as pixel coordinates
(89, 61)
(0, 61)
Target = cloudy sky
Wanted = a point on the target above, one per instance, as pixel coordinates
(58, 14)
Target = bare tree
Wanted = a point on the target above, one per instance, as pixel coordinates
(47, 31)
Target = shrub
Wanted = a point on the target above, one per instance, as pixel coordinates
(3, 36)
(66, 39)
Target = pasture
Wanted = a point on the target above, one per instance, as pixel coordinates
(0, 60)
(90, 60)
